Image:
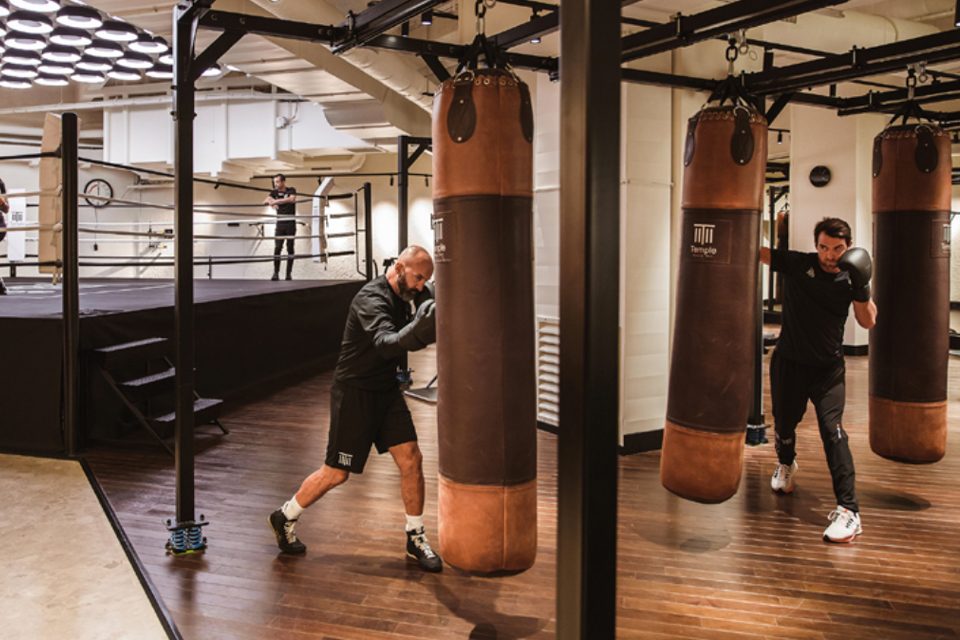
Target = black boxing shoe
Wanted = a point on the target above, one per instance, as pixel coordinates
(283, 528)
(419, 549)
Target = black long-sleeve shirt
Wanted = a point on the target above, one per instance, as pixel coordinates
(370, 352)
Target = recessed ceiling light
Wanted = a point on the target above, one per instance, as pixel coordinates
(79, 17)
(26, 22)
(104, 49)
(117, 30)
(51, 81)
(41, 6)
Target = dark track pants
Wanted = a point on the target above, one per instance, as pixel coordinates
(791, 385)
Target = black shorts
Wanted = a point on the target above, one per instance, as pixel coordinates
(360, 418)
(285, 228)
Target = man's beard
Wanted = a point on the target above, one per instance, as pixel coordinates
(407, 294)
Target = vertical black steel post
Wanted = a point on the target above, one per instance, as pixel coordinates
(773, 245)
(756, 429)
(184, 26)
(403, 192)
(589, 319)
(71, 280)
(368, 229)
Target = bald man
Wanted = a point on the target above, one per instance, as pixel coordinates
(366, 404)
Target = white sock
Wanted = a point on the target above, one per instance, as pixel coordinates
(291, 509)
(414, 522)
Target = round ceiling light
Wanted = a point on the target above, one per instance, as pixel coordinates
(145, 43)
(134, 60)
(166, 58)
(26, 22)
(51, 81)
(79, 17)
(24, 42)
(56, 69)
(29, 58)
(213, 71)
(89, 63)
(161, 71)
(58, 53)
(39, 6)
(4, 9)
(70, 37)
(88, 77)
(15, 83)
(104, 49)
(126, 75)
(117, 31)
(17, 71)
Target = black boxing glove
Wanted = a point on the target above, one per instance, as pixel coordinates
(857, 263)
(429, 293)
(422, 330)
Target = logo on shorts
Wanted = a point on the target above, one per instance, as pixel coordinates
(344, 458)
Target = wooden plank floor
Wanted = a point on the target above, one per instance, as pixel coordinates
(753, 567)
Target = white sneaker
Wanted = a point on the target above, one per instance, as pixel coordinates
(782, 480)
(844, 525)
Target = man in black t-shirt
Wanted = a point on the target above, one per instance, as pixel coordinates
(284, 200)
(808, 361)
(366, 405)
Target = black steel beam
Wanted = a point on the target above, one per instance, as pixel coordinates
(523, 33)
(686, 30)
(456, 51)
(368, 229)
(434, 64)
(857, 63)
(69, 133)
(213, 52)
(778, 105)
(925, 92)
(403, 192)
(589, 311)
(362, 27)
(186, 19)
(641, 76)
(275, 27)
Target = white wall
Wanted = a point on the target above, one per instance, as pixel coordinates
(845, 146)
(25, 175)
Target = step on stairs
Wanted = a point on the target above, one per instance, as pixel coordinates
(156, 384)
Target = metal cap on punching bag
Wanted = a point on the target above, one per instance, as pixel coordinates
(712, 364)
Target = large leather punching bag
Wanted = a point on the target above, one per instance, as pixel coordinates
(714, 338)
(909, 345)
(486, 414)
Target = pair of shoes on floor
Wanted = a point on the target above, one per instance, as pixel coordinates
(844, 523)
(275, 277)
(418, 548)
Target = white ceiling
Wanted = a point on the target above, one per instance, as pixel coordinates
(352, 95)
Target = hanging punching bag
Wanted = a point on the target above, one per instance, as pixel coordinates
(714, 340)
(909, 346)
(486, 414)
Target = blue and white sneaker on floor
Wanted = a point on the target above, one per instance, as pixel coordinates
(782, 480)
(844, 525)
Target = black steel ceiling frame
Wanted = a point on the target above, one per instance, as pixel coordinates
(362, 27)
(924, 94)
(686, 30)
(262, 26)
(857, 63)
